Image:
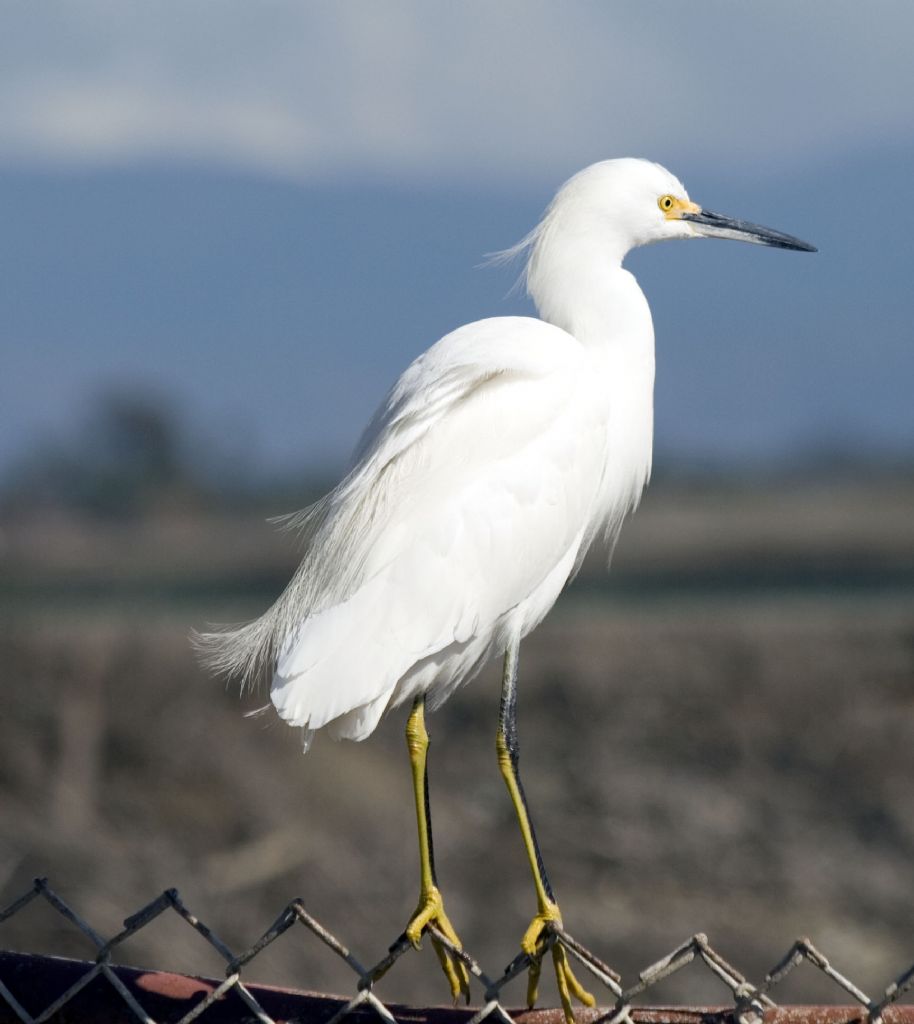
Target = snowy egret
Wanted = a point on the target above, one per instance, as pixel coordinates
(495, 461)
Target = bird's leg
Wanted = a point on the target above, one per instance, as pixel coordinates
(430, 910)
(534, 941)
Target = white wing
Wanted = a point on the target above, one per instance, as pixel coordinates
(475, 480)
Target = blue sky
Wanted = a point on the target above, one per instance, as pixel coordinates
(264, 211)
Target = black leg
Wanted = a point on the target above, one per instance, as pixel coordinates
(508, 757)
(536, 939)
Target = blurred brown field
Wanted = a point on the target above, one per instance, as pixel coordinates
(716, 737)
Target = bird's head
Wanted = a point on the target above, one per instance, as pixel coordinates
(628, 202)
(603, 212)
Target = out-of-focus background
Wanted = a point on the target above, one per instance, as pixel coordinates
(224, 230)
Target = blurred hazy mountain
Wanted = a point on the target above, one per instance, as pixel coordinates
(275, 315)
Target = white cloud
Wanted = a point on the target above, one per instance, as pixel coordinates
(431, 88)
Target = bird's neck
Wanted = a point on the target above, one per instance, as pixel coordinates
(597, 301)
(605, 310)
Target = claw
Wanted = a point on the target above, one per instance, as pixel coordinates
(533, 981)
(430, 914)
(534, 944)
(568, 984)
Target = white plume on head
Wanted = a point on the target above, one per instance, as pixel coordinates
(598, 214)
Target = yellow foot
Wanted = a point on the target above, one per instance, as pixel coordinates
(534, 945)
(430, 913)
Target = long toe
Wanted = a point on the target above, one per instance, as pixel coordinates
(455, 970)
(537, 940)
(430, 917)
(569, 986)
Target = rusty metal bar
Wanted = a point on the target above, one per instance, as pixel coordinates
(164, 995)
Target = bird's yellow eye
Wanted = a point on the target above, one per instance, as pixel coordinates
(666, 203)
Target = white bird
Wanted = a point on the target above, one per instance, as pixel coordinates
(494, 462)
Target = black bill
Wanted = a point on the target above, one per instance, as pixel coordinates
(716, 225)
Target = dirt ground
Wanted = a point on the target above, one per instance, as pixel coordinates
(722, 743)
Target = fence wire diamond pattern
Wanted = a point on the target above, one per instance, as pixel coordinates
(749, 1002)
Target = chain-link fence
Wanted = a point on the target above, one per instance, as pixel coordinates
(748, 1003)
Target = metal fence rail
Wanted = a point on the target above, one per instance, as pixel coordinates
(748, 1004)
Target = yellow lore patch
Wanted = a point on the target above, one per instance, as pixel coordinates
(673, 207)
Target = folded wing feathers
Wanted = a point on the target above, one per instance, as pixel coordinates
(337, 531)
(346, 529)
